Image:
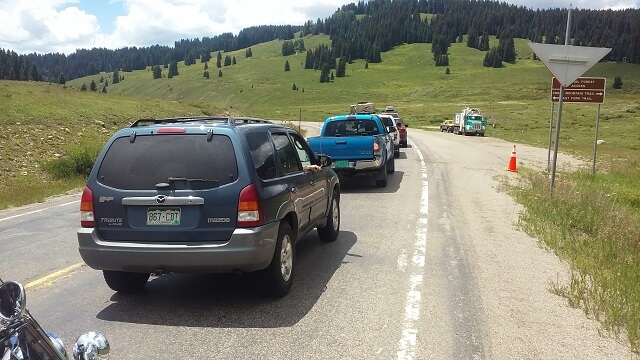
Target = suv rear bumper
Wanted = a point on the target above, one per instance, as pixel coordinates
(360, 166)
(248, 250)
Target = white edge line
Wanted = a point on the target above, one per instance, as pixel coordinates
(39, 210)
(408, 340)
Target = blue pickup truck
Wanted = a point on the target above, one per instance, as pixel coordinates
(357, 144)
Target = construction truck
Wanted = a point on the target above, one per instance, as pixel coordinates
(469, 122)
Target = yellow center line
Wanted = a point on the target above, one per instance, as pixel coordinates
(50, 279)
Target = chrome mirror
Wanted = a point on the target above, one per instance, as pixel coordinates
(12, 300)
(91, 346)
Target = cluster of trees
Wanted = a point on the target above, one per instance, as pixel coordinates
(439, 47)
(228, 60)
(85, 62)
(17, 67)
(290, 47)
(323, 58)
(386, 24)
(362, 30)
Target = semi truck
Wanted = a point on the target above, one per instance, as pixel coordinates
(469, 122)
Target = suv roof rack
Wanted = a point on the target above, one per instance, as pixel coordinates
(232, 120)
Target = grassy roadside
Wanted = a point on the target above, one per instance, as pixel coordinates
(592, 222)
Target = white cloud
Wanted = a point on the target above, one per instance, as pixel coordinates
(46, 26)
(37, 26)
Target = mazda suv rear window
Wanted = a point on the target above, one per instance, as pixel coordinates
(184, 161)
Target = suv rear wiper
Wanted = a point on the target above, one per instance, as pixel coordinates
(175, 179)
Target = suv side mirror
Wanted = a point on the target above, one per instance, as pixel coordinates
(324, 160)
(391, 129)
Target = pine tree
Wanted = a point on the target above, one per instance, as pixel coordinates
(288, 48)
(483, 45)
(62, 79)
(294, 87)
(248, 53)
(157, 71)
(220, 73)
(286, 66)
(617, 82)
(116, 77)
(173, 69)
(472, 39)
(442, 60)
(342, 67)
(206, 66)
(104, 89)
(93, 86)
(233, 61)
(447, 71)
(324, 74)
(83, 87)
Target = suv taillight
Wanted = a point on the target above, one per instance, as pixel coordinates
(86, 209)
(249, 211)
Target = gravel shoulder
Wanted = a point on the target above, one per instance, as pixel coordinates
(514, 272)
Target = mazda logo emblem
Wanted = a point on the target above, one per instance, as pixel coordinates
(161, 199)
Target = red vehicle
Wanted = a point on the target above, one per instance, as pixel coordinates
(402, 127)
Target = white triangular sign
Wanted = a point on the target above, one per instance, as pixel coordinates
(567, 62)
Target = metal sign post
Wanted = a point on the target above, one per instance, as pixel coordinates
(550, 130)
(595, 143)
(566, 63)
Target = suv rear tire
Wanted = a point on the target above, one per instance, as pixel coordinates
(330, 231)
(279, 275)
(124, 281)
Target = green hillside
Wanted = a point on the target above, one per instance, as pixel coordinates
(515, 97)
(40, 121)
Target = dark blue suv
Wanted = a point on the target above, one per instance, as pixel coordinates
(207, 195)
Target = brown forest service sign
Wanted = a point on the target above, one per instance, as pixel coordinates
(583, 90)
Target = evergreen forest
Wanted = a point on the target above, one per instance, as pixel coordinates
(363, 30)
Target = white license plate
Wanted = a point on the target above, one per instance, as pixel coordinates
(163, 216)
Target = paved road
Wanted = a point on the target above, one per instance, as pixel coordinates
(430, 267)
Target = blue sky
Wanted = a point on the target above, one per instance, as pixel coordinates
(62, 26)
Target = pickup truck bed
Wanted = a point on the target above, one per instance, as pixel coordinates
(356, 144)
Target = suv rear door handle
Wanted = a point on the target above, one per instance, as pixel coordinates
(294, 190)
(313, 183)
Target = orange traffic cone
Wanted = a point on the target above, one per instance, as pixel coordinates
(512, 162)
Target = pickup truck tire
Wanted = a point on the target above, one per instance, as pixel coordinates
(391, 166)
(124, 281)
(278, 276)
(329, 232)
(382, 182)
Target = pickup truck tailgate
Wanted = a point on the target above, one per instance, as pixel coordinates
(344, 147)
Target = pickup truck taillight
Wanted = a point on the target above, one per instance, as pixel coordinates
(377, 149)
(249, 211)
(87, 218)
